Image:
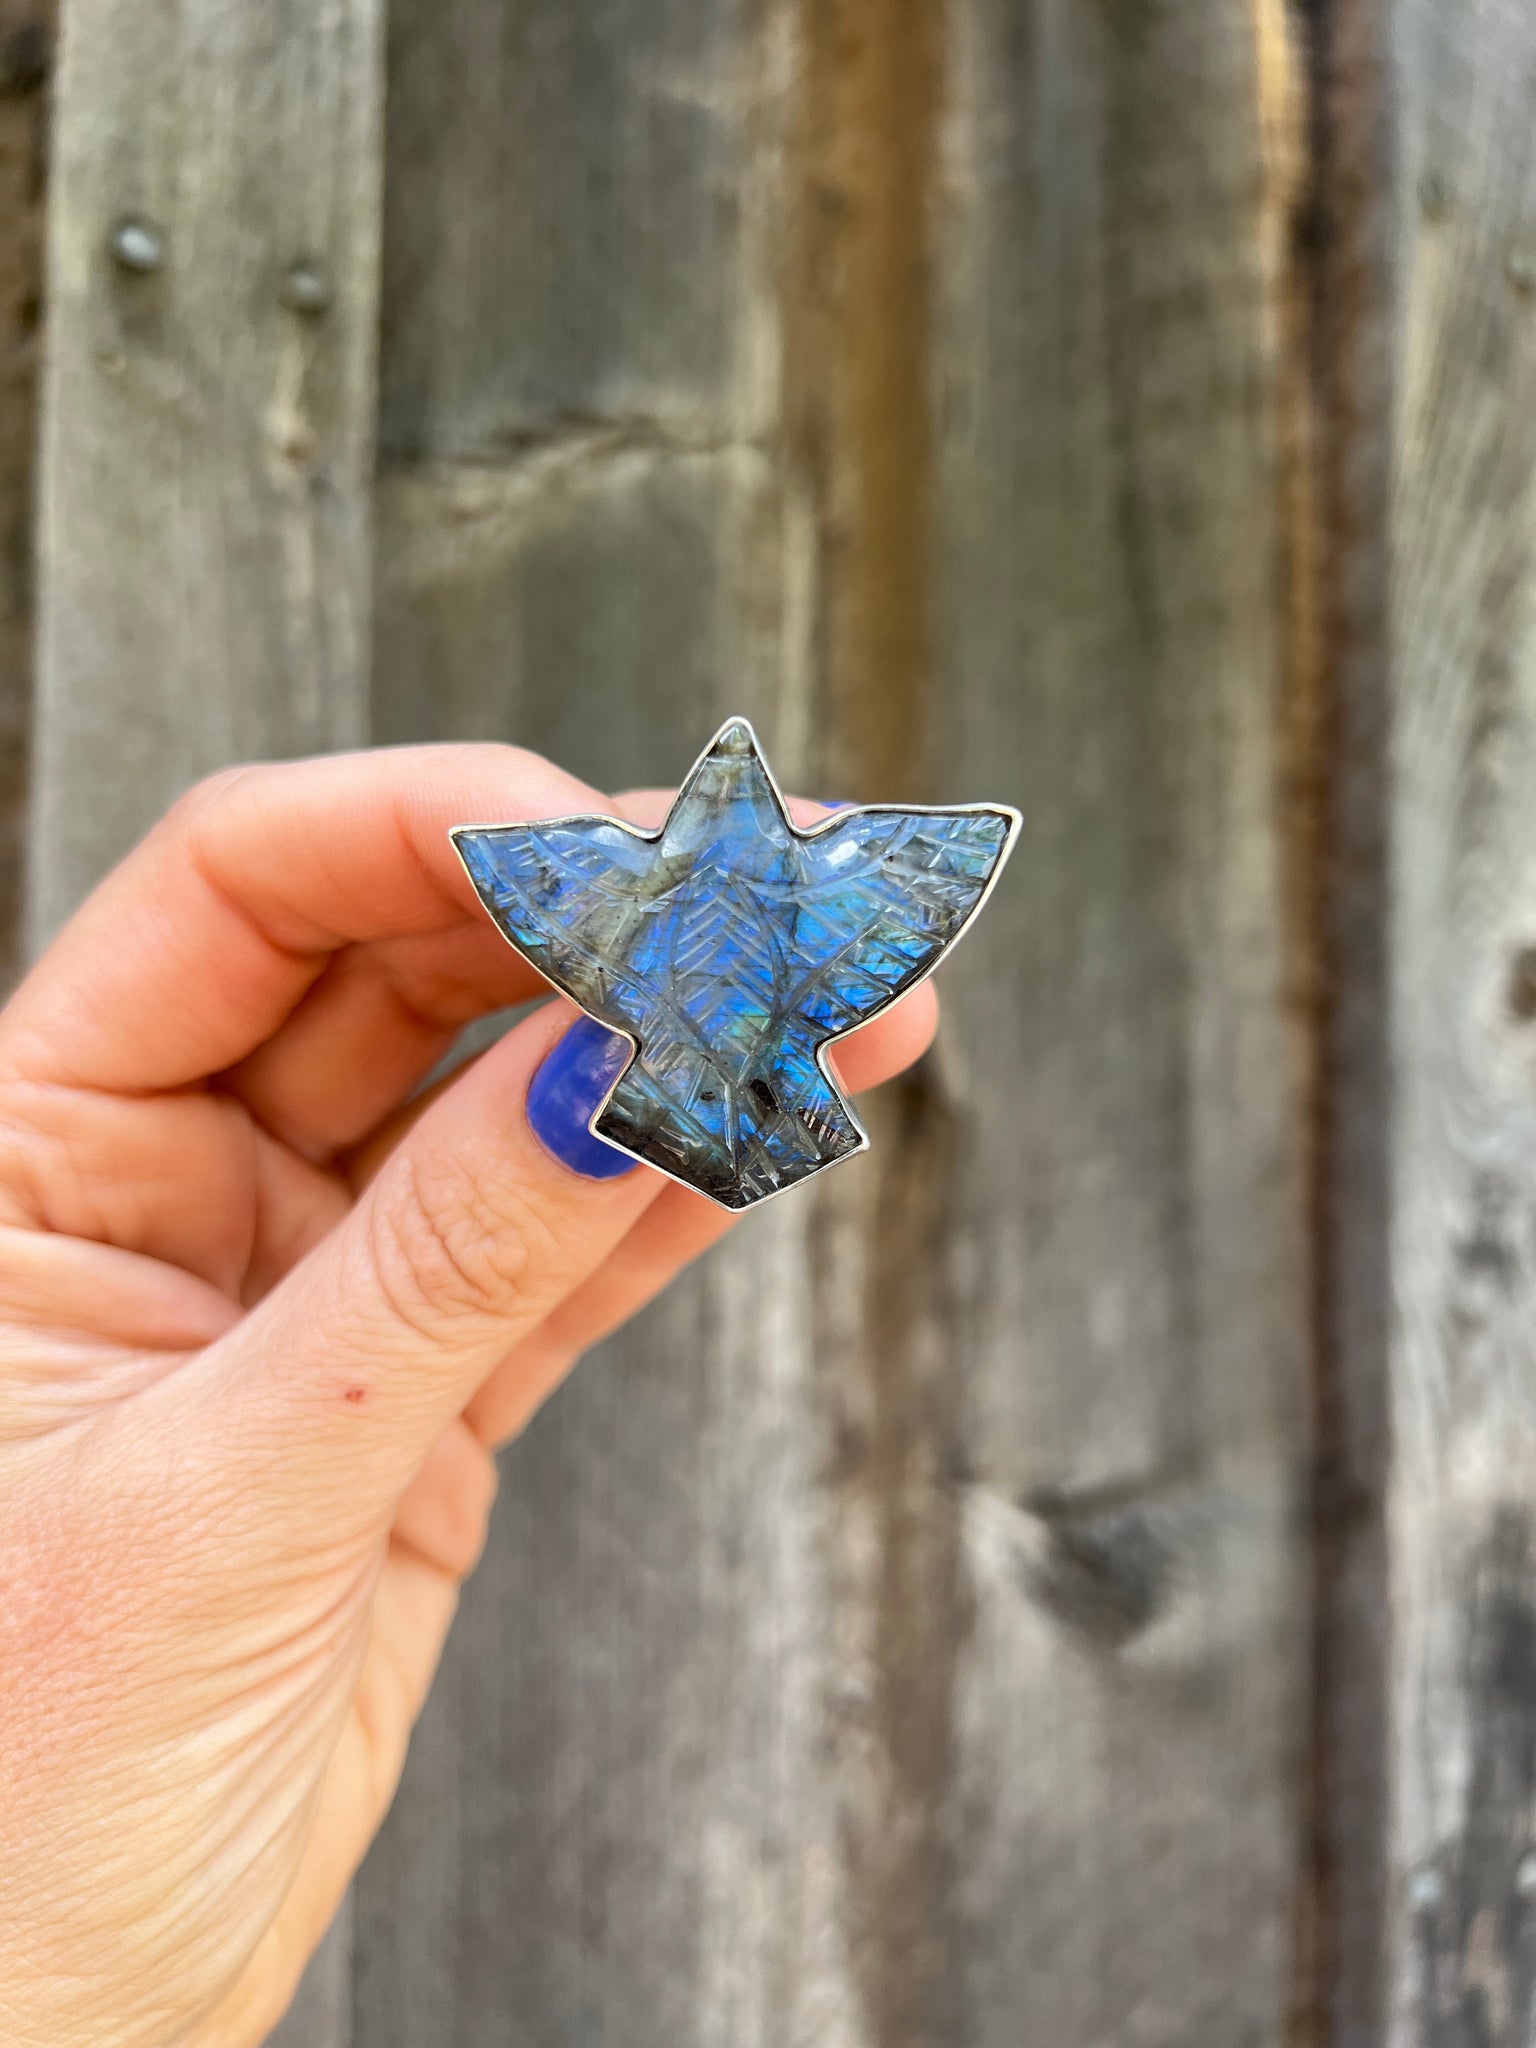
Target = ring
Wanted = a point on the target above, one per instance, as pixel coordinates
(732, 948)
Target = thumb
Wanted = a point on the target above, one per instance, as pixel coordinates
(468, 1237)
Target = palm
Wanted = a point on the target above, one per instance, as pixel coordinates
(312, 1660)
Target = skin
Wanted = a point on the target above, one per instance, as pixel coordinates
(265, 1320)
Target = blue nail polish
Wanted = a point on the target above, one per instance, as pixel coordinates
(574, 1076)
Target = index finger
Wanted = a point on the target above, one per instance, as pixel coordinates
(195, 949)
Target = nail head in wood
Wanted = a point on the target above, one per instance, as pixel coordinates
(137, 245)
(309, 289)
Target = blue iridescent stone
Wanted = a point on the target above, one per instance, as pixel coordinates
(733, 949)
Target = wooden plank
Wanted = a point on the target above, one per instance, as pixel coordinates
(26, 56)
(1460, 1877)
(566, 217)
(610, 1826)
(899, 1635)
(207, 449)
(1123, 1308)
(204, 536)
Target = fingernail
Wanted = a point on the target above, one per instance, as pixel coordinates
(572, 1079)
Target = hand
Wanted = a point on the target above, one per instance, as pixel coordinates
(265, 1319)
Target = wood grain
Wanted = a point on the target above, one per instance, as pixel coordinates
(613, 1825)
(26, 57)
(1127, 1334)
(207, 451)
(1459, 1879)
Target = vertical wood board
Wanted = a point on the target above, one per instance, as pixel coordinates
(1128, 1701)
(1460, 1875)
(610, 1827)
(26, 56)
(207, 450)
(566, 218)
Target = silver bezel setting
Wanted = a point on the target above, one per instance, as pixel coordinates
(1014, 820)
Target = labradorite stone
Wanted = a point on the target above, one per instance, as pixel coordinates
(733, 949)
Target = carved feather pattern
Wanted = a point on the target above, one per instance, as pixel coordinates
(732, 949)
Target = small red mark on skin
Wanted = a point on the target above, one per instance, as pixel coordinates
(356, 1395)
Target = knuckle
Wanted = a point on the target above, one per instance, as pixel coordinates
(445, 1244)
(194, 806)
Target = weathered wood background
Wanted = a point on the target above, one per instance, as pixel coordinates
(1072, 1580)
